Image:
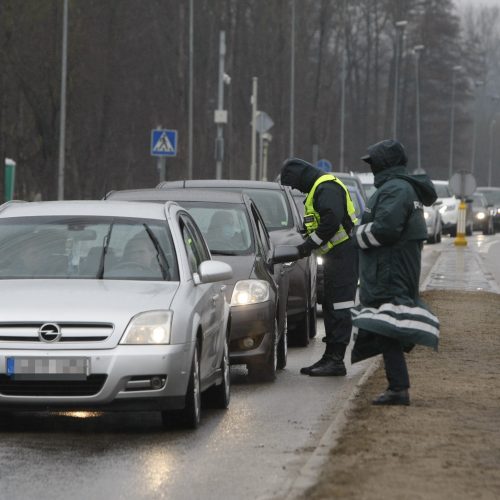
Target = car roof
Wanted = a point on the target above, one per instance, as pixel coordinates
(210, 195)
(223, 183)
(83, 207)
(488, 188)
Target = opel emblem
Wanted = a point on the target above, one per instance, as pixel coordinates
(49, 332)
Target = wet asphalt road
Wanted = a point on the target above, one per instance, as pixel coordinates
(253, 450)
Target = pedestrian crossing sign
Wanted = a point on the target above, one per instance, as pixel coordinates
(163, 142)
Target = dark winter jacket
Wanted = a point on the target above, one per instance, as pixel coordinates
(390, 239)
(329, 198)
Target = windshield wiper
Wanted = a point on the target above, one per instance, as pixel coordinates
(160, 257)
(105, 243)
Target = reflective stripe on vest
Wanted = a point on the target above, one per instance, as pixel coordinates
(311, 218)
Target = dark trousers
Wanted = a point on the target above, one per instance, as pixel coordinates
(340, 269)
(394, 363)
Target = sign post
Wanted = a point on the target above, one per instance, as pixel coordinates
(324, 165)
(10, 178)
(163, 145)
(462, 184)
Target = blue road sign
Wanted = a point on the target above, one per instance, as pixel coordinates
(163, 142)
(324, 165)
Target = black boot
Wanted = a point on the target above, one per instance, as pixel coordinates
(393, 398)
(307, 369)
(333, 367)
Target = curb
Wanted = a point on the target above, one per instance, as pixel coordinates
(309, 474)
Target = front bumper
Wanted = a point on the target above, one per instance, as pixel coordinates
(253, 321)
(117, 379)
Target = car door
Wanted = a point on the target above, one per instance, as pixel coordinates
(279, 272)
(210, 297)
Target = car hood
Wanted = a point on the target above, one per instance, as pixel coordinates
(107, 301)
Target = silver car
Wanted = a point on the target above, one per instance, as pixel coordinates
(111, 305)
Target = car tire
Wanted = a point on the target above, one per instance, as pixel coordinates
(265, 370)
(312, 322)
(282, 349)
(431, 240)
(218, 396)
(190, 415)
(468, 231)
(438, 237)
(299, 332)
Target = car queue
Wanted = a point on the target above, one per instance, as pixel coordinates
(143, 300)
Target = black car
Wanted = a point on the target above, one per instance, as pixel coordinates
(285, 225)
(236, 234)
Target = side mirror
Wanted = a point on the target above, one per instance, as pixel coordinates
(210, 271)
(285, 253)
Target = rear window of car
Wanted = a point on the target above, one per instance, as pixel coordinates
(225, 226)
(273, 207)
(86, 247)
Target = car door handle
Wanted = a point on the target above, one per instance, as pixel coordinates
(288, 264)
(214, 298)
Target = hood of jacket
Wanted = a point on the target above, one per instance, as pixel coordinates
(421, 183)
(386, 154)
(299, 174)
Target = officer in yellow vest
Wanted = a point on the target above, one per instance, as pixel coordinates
(329, 220)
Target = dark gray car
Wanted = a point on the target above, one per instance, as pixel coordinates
(258, 292)
(285, 225)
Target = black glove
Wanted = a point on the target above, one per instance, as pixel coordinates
(304, 250)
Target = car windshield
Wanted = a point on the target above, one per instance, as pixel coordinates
(493, 197)
(442, 190)
(273, 207)
(225, 226)
(86, 248)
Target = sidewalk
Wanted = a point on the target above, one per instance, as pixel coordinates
(447, 443)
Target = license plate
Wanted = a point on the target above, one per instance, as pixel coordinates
(35, 368)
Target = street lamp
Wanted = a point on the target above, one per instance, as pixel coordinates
(190, 90)
(490, 164)
(477, 83)
(400, 27)
(417, 49)
(455, 70)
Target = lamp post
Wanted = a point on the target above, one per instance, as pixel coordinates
(400, 27)
(490, 163)
(417, 49)
(477, 83)
(62, 122)
(455, 70)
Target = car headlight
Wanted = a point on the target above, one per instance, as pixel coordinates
(319, 260)
(443, 209)
(480, 215)
(250, 292)
(151, 327)
(498, 211)
(426, 215)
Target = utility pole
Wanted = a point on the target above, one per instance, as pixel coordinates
(190, 92)
(292, 82)
(478, 83)
(455, 69)
(400, 27)
(253, 100)
(62, 123)
(417, 49)
(220, 116)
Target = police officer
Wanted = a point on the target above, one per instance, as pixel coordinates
(329, 220)
(391, 317)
